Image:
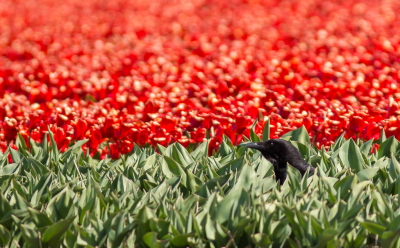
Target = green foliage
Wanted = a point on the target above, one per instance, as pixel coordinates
(177, 198)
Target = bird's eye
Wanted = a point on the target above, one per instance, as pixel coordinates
(272, 144)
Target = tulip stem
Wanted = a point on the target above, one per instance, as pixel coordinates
(236, 138)
(109, 148)
(29, 140)
(79, 173)
(314, 141)
(231, 240)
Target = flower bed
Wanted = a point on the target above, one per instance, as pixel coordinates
(163, 71)
(177, 198)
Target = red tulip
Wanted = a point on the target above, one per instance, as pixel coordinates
(10, 129)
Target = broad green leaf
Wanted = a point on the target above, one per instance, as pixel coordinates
(338, 143)
(264, 168)
(351, 156)
(367, 174)
(224, 149)
(388, 147)
(266, 131)
(21, 203)
(230, 204)
(366, 147)
(185, 154)
(40, 219)
(160, 226)
(54, 149)
(161, 149)
(253, 136)
(299, 135)
(193, 182)
(246, 178)
(144, 217)
(15, 155)
(38, 166)
(212, 183)
(282, 231)
(261, 239)
(394, 167)
(202, 150)
(78, 144)
(225, 160)
(43, 184)
(171, 168)
(5, 206)
(21, 144)
(10, 169)
(346, 184)
(373, 227)
(52, 235)
(150, 239)
(30, 236)
(210, 228)
(265, 184)
(389, 238)
(295, 178)
(327, 235)
(181, 240)
(5, 235)
(178, 157)
(150, 162)
(137, 149)
(383, 136)
(227, 141)
(232, 166)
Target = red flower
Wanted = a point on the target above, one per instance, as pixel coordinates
(60, 137)
(95, 138)
(168, 123)
(10, 129)
(150, 110)
(114, 151)
(33, 120)
(357, 124)
(80, 127)
(242, 122)
(198, 135)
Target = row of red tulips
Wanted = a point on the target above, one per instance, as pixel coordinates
(99, 122)
(164, 71)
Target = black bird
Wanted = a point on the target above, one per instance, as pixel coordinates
(280, 152)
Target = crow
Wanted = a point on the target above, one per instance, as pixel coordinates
(280, 152)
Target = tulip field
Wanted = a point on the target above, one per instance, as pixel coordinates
(159, 72)
(120, 122)
(175, 197)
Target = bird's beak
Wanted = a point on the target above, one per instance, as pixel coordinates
(255, 145)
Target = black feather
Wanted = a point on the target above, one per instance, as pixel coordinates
(281, 152)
